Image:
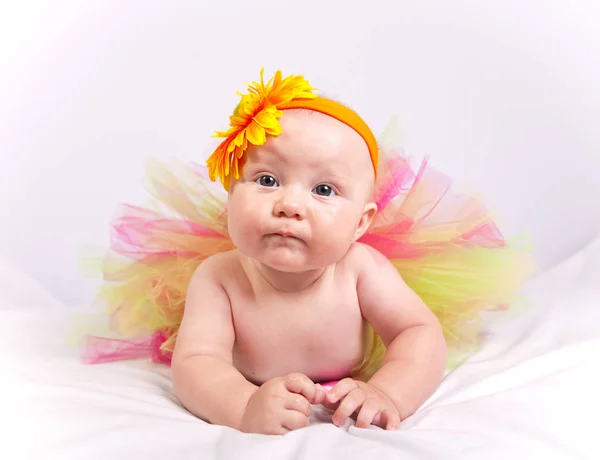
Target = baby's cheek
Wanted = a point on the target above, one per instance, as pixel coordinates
(328, 218)
(340, 224)
(334, 239)
(239, 222)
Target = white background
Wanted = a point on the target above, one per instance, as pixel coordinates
(503, 96)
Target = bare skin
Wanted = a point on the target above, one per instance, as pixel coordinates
(265, 323)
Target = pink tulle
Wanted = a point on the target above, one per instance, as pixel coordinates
(137, 233)
(396, 228)
(100, 350)
(418, 216)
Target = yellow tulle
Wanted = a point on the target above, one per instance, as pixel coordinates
(445, 246)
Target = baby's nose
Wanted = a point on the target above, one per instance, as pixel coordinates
(290, 204)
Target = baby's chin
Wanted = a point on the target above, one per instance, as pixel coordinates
(285, 260)
(287, 255)
(290, 260)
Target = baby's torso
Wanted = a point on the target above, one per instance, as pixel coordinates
(318, 332)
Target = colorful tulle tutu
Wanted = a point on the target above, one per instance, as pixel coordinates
(445, 245)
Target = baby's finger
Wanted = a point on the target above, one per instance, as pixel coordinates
(294, 420)
(298, 403)
(320, 394)
(348, 406)
(393, 420)
(368, 412)
(331, 406)
(341, 389)
(301, 384)
(321, 397)
(387, 419)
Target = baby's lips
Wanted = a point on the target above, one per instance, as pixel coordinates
(288, 234)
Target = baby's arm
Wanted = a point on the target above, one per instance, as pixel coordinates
(204, 378)
(414, 363)
(207, 383)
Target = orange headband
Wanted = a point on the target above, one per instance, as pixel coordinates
(257, 115)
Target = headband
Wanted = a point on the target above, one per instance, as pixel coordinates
(257, 115)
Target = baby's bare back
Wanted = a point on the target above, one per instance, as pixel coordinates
(318, 331)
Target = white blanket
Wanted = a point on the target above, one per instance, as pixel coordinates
(530, 393)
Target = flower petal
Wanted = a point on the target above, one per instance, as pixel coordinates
(216, 160)
(227, 133)
(239, 139)
(266, 119)
(255, 133)
(276, 81)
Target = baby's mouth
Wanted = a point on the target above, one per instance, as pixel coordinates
(286, 235)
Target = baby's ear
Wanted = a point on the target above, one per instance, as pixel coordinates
(365, 220)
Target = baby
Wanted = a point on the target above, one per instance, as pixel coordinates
(266, 324)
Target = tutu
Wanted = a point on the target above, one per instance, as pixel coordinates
(445, 246)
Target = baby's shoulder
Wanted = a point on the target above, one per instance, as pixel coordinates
(217, 267)
(362, 256)
(370, 265)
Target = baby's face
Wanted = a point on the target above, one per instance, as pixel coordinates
(303, 197)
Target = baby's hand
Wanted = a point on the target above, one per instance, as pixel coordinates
(350, 396)
(280, 405)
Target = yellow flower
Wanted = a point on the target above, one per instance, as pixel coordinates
(255, 116)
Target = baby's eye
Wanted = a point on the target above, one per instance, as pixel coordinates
(324, 190)
(267, 181)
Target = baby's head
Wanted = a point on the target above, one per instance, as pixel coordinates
(303, 192)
